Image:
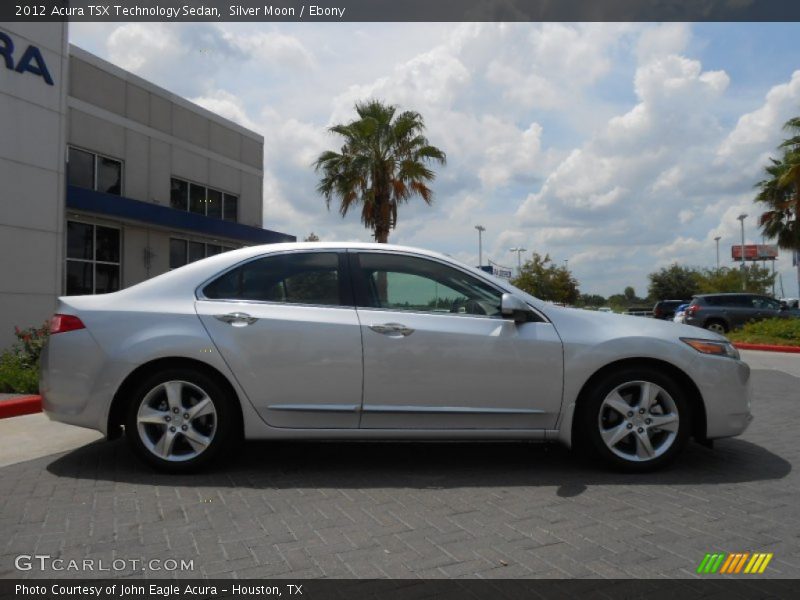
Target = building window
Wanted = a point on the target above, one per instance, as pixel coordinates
(94, 172)
(203, 200)
(179, 195)
(182, 252)
(93, 259)
(231, 208)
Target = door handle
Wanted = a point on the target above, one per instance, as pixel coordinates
(237, 319)
(392, 329)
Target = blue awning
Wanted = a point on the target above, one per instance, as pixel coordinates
(154, 214)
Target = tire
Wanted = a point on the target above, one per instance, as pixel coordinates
(716, 326)
(616, 433)
(181, 420)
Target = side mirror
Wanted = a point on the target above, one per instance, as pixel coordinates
(512, 307)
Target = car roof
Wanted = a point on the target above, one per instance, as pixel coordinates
(727, 294)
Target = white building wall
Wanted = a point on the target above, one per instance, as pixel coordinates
(32, 121)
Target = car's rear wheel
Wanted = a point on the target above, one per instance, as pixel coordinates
(636, 419)
(716, 326)
(180, 420)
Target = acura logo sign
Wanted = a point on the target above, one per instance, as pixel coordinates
(30, 61)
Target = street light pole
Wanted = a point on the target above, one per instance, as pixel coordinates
(480, 229)
(741, 219)
(519, 250)
(717, 239)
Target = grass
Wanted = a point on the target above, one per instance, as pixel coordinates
(778, 332)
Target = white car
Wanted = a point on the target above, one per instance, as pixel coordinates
(371, 341)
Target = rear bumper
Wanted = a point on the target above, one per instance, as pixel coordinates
(70, 382)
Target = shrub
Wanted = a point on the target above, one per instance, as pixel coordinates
(19, 365)
(783, 332)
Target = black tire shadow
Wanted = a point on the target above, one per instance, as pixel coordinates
(343, 465)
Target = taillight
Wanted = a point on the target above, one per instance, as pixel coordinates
(692, 310)
(62, 323)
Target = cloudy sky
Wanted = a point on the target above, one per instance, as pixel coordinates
(620, 147)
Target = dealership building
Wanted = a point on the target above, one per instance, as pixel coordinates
(107, 179)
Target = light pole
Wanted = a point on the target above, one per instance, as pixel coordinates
(480, 229)
(741, 219)
(566, 264)
(717, 239)
(519, 250)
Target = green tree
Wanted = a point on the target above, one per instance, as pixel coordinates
(759, 280)
(540, 277)
(674, 282)
(592, 300)
(312, 237)
(383, 162)
(630, 294)
(780, 192)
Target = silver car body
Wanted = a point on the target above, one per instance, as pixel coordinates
(323, 372)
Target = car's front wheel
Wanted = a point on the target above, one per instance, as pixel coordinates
(636, 419)
(180, 420)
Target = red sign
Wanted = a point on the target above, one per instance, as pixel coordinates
(755, 252)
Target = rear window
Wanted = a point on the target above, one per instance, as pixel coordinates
(740, 300)
(295, 278)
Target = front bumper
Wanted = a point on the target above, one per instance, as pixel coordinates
(727, 393)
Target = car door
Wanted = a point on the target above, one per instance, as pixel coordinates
(438, 354)
(287, 327)
(738, 309)
(767, 307)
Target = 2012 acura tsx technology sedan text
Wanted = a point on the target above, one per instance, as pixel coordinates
(372, 341)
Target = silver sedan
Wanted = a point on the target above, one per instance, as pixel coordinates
(371, 341)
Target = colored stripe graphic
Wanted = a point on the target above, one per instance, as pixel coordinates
(703, 564)
(711, 562)
(758, 563)
(740, 564)
(734, 563)
(728, 563)
(764, 564)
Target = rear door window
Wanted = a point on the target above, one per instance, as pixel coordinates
(293, 278)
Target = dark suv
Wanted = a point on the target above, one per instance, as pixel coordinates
(665, 309)
(723, 312)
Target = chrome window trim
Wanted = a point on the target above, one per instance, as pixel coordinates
(465, 410)
(198, 292)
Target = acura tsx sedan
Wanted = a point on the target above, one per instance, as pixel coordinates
(373, 341)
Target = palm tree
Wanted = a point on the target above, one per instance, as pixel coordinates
(383, 163)
(780, 191)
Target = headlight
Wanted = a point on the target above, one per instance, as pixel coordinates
(714, 347)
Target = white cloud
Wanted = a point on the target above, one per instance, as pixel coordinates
(132, 46)
(227, 105)
(757, 133)
(272, 48)
(662, 40)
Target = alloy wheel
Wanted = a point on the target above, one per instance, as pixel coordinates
(176, 421)
(638, 421)
(716, 327)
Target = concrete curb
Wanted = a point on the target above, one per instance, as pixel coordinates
(26, 405)
(767, 347)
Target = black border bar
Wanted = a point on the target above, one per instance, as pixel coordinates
(400, 589)
(400, 10)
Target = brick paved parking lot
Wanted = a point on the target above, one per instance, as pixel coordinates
(309, 510)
